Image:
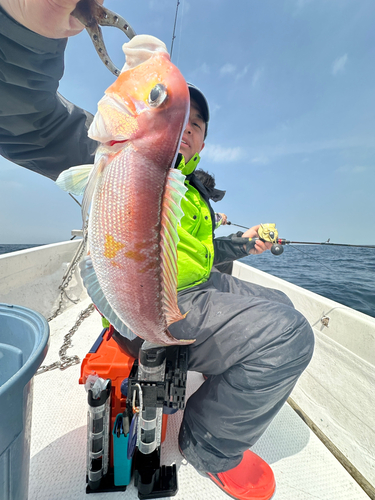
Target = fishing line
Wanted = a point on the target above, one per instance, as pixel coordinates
(313, 258)
(180, 31)
(75, 199)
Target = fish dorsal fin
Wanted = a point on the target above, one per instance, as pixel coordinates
(95, 174)
(74, 179)
(170, 218)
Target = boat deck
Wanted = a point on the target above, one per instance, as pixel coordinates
(303, 466)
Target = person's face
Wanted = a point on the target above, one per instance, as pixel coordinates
(193, 136)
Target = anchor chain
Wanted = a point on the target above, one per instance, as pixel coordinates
(66, 361)
(68, 277)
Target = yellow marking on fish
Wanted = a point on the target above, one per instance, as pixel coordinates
(148, 267)
(135, 255)
(117, 123)
(115, 264)
(111, 246)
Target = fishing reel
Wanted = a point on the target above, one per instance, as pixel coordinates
(268, 232)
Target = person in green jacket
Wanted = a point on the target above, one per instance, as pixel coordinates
(251, 344)
(209, 183)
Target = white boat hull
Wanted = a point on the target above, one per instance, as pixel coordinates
(337, 390)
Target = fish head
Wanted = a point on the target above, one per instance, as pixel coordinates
(148, 105)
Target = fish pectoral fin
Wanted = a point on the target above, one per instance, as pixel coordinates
(74, 179)
(93, 179)
(170, 218)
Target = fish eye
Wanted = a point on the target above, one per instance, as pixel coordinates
(157, 95)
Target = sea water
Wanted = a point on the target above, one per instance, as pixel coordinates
(343, 274)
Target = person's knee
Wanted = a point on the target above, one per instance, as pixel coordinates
(292, 347)
(304, 340)
(283, 298)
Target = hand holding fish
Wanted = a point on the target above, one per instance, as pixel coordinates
(49, 18)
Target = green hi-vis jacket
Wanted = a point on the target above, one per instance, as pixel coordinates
(195, 250)
(198, 249)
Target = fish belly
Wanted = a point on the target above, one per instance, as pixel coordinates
(124, 238)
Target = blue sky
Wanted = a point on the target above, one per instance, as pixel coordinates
(292, 98)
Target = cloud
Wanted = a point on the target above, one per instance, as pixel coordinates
(204, 68)
(7, 166)
(242, 73)
(260, 160)
(358, 169)
(201, 69)
(323, 145)
(339, 64)
(257, 76)
(214, 108)
(302, 3)
(160, 5)
(10, 185)
(219, 154)
(299, 6)
(227, 69)
(230, 69)
(185, 7)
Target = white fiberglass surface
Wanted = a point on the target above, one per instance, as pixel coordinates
(303, 467)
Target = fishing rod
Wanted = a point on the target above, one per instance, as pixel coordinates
(287, 242)
(174, 29)
(282, 241)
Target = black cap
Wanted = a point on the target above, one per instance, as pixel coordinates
(199, 98)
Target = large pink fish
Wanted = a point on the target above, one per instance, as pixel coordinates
(135, 194)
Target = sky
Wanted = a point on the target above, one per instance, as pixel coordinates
(291, 88)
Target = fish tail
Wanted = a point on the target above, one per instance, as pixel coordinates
(179, 341)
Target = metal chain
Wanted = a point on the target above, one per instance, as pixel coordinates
(68, 277)
(66, 361)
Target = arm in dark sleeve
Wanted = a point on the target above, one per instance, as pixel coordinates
(227, 249)
(39, 129)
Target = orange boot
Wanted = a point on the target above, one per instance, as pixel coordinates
(252, 479)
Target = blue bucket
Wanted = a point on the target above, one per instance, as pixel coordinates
(24, 338)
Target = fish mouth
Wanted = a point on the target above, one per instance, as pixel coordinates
(112, 146)
(111, 110)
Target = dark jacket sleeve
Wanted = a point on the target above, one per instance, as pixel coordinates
(39, 129)
(227, 249)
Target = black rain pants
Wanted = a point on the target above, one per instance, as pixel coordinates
(252, 345)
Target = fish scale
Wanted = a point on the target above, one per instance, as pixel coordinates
(135, 230)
